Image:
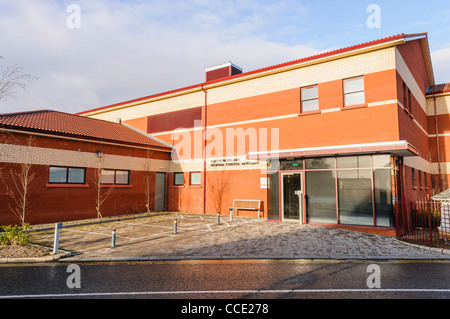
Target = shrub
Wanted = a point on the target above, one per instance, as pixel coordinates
(13, 235)
(435, 218)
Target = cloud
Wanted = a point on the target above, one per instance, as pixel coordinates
(441, 65)
(129, 49)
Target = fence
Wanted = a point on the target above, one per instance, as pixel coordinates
(429, 223)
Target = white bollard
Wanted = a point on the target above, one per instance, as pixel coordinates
(56, 239)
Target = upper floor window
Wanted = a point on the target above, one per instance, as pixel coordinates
(310, 99)
(354, 91)
(406, 97)
(67, 175)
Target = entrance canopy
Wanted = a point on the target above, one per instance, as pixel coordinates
(399, 148)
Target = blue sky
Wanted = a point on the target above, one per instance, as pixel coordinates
(129, 49)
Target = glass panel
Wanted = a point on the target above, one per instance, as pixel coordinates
(76, 175)
(273, 197)
(291, 165)
(58, 175)
(310, 93)
(179, 179)
(321, 197)
(308, 106)
(196, 178)
(381, 161)
(107, 176)
(353, 162)
(355, 197)
(384, 213)
(291, 196)
(122, 177)
(354, 85)
(320, 163)
(354, 99)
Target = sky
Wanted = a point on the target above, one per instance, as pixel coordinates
(87, 54)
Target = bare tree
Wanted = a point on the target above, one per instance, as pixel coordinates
(19, 191)
(12, 79)
(102, 192)
(218, 186)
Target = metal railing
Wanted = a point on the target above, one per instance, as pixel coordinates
(429, 223)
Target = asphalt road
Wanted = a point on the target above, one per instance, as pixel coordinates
(244, 279)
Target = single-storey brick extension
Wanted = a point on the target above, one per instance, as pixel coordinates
(69, 165)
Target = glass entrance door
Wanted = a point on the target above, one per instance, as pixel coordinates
(292, 191)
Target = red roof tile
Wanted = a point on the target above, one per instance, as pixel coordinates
(65, 124)
(438, 89)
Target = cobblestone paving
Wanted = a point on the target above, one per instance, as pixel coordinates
(200, 237)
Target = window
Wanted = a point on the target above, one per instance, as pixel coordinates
(310, 99)
(354, 91)
(291, 165)
(66, 175)
(407, 98)
(178, 179)
(405, 95)
(420, 178)
(413, 176)
(115, 177)
(195, 178)
(355, 197)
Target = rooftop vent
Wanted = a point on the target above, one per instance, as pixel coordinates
(222, 71)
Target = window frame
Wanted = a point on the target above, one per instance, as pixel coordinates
(67, 175)
(302, 100)
(115, 176)
(175, 179)
(353, 92)
(190, 179)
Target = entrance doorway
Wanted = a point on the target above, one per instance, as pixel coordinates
(160, 187)
(292, 194)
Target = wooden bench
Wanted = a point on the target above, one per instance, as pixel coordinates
(247, 204)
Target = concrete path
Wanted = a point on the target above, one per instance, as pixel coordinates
(200, 237)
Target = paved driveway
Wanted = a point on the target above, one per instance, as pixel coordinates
(200, 237)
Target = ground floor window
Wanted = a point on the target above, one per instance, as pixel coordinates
(116, 177)
(66, 175)
(350, 190)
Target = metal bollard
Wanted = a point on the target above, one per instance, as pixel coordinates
(56, 239)
(113, 238)
(175, 222)
(231, 213)
(218, 218)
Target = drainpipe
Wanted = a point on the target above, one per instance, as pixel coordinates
(204, 148)
(437, 144)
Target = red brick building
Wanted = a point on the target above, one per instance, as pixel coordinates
(72, 164)
(346, 138)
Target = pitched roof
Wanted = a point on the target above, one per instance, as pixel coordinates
(70, 125)
(438, 89)
(384, 41)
